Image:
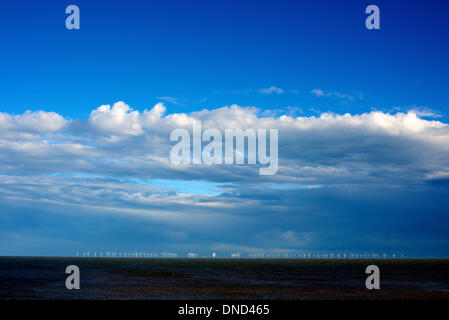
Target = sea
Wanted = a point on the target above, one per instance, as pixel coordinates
(43, 278)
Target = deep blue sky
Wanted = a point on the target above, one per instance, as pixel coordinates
(207, 52)
(370, 191)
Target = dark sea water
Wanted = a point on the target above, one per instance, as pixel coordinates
(44, 278)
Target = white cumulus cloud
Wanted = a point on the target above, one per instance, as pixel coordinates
(39, 121)
(270, 90)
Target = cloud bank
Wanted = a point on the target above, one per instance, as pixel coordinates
(331, 169)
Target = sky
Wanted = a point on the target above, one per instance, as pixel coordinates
(86, 116)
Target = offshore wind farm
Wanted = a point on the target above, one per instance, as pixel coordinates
(284, 254)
